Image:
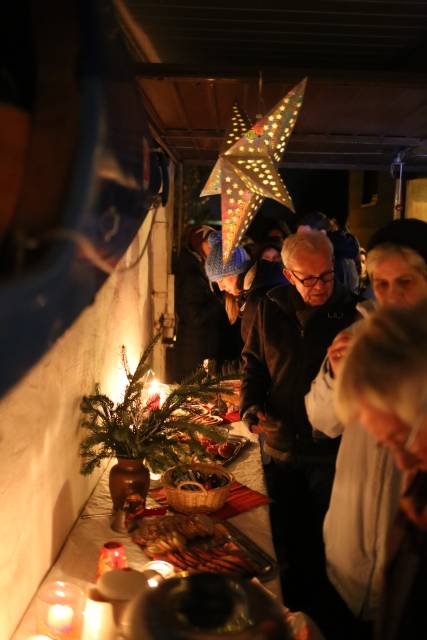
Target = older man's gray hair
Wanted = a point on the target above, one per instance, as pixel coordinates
(307, 241)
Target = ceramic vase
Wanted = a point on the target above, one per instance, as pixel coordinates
(128, 476)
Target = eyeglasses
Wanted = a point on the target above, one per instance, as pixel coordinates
(310, 281)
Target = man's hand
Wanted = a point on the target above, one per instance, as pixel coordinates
(265, 424)
(338, 349)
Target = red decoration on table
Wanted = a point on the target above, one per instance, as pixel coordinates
(111, 556)
(240, 499)
(233, 416)
(153, 403)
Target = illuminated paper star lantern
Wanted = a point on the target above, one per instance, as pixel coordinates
(240, 124)
(245, 172)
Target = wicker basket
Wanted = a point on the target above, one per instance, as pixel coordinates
(200, 501)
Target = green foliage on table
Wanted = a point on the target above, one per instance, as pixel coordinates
(133, 429)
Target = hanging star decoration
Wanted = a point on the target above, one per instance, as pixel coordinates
(245, 172)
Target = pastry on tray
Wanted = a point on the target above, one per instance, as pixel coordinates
(197, 543)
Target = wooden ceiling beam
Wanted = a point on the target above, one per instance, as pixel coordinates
(336, 162)
(303, 138)
(205, 73)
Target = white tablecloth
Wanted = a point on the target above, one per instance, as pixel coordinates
(78, 559)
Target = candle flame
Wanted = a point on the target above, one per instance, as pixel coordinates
(154, 387)
(153, 582)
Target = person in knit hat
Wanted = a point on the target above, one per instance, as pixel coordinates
(244, 280)
(226, 275)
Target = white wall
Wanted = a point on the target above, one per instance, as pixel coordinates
(416, 199)
(41, 489)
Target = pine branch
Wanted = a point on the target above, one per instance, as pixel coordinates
(142, 366)
(132, 429)
(125, 363)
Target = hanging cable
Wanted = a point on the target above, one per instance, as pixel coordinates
(261, 105)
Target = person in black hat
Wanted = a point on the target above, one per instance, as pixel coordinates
(397, 262)
(409, 232)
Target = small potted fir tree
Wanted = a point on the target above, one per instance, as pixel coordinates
(145, 434)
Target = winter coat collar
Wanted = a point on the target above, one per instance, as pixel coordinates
(289, 300)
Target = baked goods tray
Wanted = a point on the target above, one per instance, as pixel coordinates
(216, 547)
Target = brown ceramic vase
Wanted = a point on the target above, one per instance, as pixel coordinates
(128, 476)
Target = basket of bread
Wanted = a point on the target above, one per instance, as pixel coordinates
(196, 487)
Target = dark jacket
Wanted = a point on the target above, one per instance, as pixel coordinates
(202, 321)
(282, 355)
(404, 602)
(268, 275)
(347, 258)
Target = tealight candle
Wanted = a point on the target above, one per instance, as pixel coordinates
(59, 610)
(154, 580)
(60, 617)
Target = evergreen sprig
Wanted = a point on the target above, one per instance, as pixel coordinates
(162, 436)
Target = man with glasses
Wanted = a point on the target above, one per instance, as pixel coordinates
(288, 340)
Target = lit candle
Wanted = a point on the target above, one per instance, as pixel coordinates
(154, 387)
(153, 401)
(60, 617)
(154, 581)
(59, 610)
(157, 394)
(98, 618)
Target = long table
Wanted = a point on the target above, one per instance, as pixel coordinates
(78, 559)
